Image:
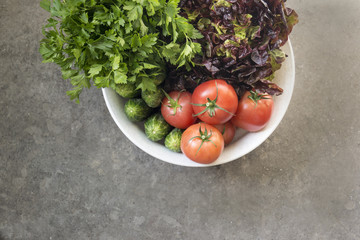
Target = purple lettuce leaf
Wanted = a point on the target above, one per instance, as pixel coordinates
(241, 44)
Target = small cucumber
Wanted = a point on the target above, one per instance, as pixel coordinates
(127, 90)
(137, 110)
(156, 128)
(173, 140)
(153, 99)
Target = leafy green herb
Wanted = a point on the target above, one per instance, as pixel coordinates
(109, 43)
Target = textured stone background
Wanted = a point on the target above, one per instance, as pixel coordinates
(67, 172)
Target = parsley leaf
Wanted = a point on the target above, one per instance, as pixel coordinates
(110, 43)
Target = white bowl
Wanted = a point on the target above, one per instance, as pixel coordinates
(243, 143)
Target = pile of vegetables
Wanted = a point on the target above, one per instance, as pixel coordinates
(192, 70)
(201, 123)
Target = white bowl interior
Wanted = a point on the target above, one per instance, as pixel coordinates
(243, 143)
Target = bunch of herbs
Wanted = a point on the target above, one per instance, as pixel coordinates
(116, 43)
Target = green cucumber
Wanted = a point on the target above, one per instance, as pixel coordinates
(173, 140)
(127, 90)
(156, 128)
(153, 99)
(137, 110)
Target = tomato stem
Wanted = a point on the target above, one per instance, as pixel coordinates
(255, 97)
(174, 104)
(223, 131)
(204, 137)
(210, 105)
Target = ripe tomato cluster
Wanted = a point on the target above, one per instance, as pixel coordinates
(215, 105)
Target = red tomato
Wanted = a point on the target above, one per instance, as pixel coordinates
(214, 101)
(254, 111)
(202, 143)
(177, 110)
(227, 130)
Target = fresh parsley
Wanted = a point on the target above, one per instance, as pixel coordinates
(108, 43)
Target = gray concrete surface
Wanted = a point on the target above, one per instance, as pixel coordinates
(67, 172)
